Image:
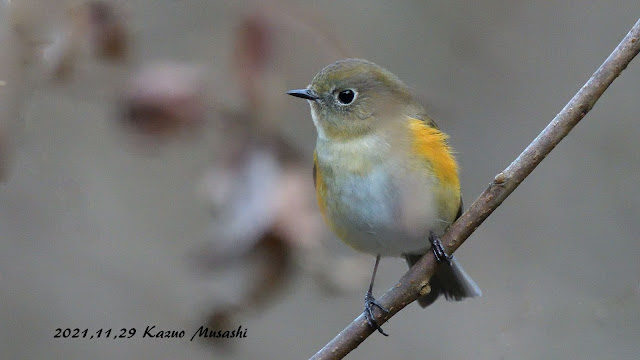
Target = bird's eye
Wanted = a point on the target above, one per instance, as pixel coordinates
(346, 97)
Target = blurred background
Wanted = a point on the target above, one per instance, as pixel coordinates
(154, 173)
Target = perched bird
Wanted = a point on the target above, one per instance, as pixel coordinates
(385, 177)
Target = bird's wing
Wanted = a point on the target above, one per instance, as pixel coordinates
(429, 121)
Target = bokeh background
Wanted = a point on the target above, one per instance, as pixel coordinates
(98, 231)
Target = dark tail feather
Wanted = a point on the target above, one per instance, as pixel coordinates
(450, 279)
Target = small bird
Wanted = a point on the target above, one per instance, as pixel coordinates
(385, 177)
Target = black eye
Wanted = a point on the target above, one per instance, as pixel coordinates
(346, 97)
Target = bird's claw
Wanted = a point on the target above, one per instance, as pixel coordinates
(369, 303)
(438, 249)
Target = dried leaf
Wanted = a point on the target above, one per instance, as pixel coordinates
(164, 100)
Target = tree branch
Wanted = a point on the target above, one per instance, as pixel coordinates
(415, 281)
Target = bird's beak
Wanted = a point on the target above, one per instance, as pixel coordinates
(304, 93)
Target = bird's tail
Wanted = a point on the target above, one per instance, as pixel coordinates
(450, 279)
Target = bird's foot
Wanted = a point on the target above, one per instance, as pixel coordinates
(369, 303)
(438, 249)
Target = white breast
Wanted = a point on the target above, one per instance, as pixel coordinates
(385, 211)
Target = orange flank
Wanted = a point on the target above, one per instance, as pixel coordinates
(321, 193)
(318, 183)
(431, 145)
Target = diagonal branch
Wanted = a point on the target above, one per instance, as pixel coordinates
(416, 279)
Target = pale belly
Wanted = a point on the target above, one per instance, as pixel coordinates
(383, 212)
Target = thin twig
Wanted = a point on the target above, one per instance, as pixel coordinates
(416, 279)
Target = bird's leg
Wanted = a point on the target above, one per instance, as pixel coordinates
(438, 248)
(370, 302)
